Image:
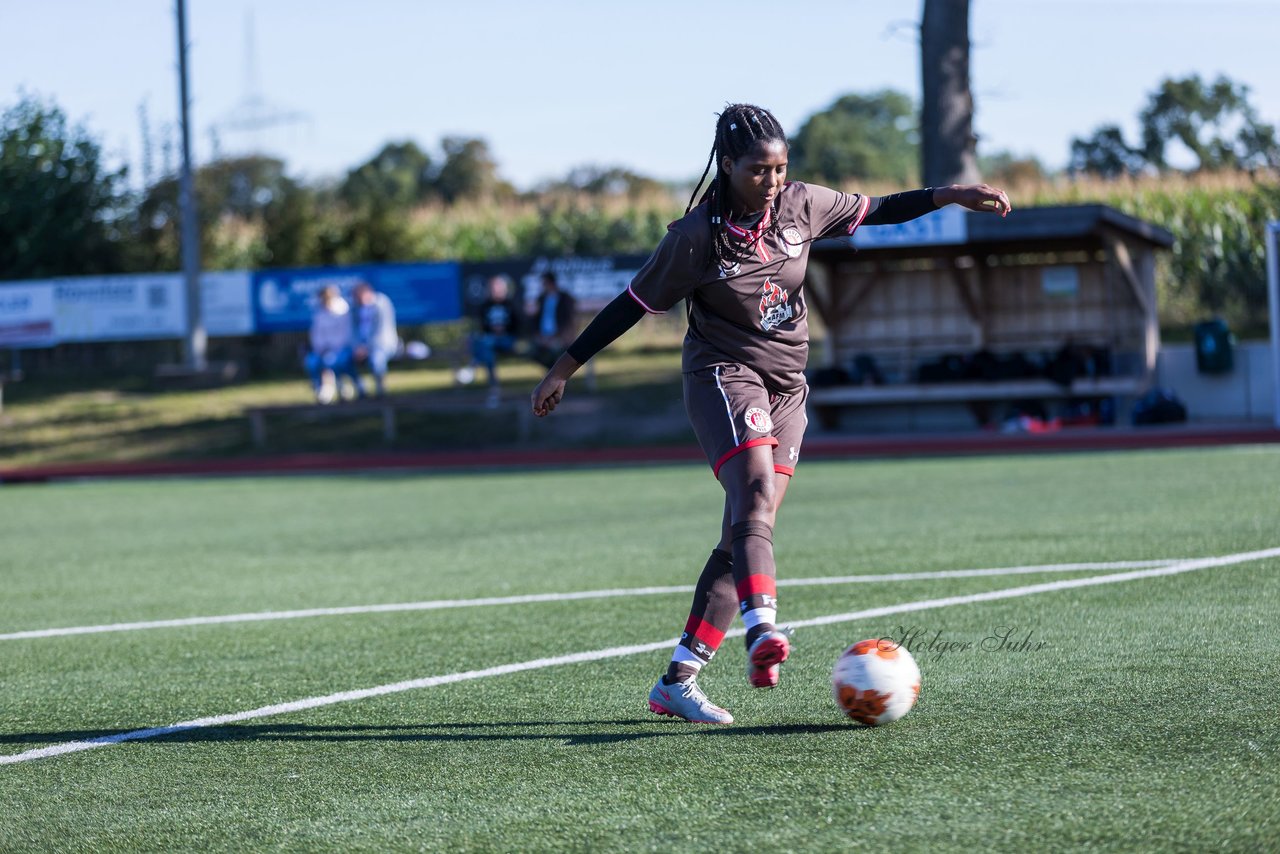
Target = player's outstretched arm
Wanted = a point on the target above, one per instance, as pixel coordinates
(910, 204)
(975, 197)
(615, 319)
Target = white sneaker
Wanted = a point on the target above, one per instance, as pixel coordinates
(686, 700)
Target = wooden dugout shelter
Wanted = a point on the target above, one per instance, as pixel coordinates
(1040, 280)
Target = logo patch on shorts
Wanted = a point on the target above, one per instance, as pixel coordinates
(757, 419)
(792, 241)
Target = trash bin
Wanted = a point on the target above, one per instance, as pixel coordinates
(1215, 347)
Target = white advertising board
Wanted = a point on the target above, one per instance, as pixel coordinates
(226, 302)
(26, 314)
(119, 308)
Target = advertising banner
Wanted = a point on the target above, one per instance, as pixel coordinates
(26, 314)
(945, 227)
(226, 302)
(119, 308)
(421, 293)
(594, 282)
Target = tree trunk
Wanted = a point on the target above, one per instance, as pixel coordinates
(948, 148)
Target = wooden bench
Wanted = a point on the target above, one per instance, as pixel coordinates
(387, 408)
(827, 401)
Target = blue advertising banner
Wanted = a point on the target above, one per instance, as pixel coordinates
(421, 293)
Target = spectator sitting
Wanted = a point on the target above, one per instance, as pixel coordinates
(376, 340)
(330, 356)
(498, 325)
(554, 321)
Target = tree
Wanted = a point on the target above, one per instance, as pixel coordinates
(605, 181)
(1105, 154)
(238, 188)
(469, 171)
(62, 211)
(292, 225)
(400, 175)
(1005, 168)
(1215, 122)
(948, 145)
(859, 137)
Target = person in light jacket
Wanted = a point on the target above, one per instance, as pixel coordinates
(330, 358)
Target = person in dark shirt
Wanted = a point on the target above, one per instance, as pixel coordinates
(497, 329)
(552, 321)
(738, 259)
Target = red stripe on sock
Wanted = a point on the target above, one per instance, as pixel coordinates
(757, 584)
(704, 631)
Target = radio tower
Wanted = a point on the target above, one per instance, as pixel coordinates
(254, 114)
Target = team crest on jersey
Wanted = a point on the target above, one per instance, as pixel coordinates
(775, 306)
(757, 419)
(792, 242)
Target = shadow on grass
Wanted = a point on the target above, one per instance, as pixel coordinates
(571, 733)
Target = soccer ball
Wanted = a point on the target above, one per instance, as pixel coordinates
(875, 682)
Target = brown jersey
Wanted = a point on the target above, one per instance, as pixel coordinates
(753, 314)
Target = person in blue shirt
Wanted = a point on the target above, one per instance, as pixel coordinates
(375, 340)
(554, 329)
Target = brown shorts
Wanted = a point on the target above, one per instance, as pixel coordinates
(731, 410)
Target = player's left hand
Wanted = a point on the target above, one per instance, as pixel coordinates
(980, 197)
(547, 396)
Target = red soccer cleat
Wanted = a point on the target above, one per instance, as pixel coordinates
(763, 657)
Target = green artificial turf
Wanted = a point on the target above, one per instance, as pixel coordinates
(1143, 716)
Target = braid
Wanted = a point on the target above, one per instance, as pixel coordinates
(739, 129)
(711, 158)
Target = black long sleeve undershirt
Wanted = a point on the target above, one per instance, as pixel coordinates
(607, 326)
(900, 207)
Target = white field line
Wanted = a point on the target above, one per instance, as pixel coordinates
(619, 652)
(440, 604)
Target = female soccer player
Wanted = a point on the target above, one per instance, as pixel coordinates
(738, 257)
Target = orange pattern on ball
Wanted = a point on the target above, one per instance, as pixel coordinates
(881, 647)
(863, 707)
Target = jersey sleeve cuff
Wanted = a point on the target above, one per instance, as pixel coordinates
(648, 310)
(862, 214)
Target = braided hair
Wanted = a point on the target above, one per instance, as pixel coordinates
(739, 129)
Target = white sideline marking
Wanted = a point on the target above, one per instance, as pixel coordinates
(526, 599)
(330, 699)
(619, 652)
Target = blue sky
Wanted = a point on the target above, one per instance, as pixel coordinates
(556, 84)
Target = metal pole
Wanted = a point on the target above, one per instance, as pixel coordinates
(196, 340)
(1273, 302)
